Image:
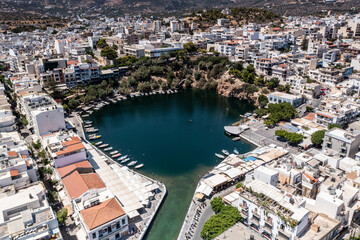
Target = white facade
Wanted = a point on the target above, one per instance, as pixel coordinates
(266, 175)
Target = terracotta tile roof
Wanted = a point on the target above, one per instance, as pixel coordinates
(24, 156)
(309, 117)
(102, 213)
(77, 184)
(27, 163)
(324, 115)
(71, 148)
(14, 173)
(63, 171)
(73, 140)
(43, 136)
(12, 154)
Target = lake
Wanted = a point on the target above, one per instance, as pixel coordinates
(175, 136)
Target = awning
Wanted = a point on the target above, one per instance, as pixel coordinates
(14, 173)
(204, 189)
(215, 180)
(199, 196)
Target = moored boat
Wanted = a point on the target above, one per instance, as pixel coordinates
(225, 152)
(139, 166)
(236, 139)
(108, 148)
(114, 152)
(122, 158)
(103, 145)
(219, 156)
(132, 163)
(116, 155)
(98, 143)
(94, 137)
(236, 151)
(87, 122)
(125, 160)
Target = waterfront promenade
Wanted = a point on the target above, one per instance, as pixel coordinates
(114, 174)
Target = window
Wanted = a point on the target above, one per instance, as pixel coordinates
(123, 221)
(117, 225)
(94, 235)
(117, 236)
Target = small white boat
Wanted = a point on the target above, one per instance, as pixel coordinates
(98, 143)
(94, 137)
(236, 151)
(103, 145)
(85, 115)
(219, 156)
(225, 152)
(236, 139)
(91, 130)
(139, 166)
(87, 122)
(114, 152)
(132, 163)
(116, 155)
(108, 148)
(122, 158)
(88, 126)
(125, 160)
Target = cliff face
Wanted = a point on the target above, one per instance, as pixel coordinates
(229, 87)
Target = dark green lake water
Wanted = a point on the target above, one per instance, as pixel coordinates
(175, 136)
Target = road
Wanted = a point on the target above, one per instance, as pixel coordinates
(205, 215)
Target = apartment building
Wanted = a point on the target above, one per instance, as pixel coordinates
(16, 169)
(341, 142)
(100, 215)
(264, 66)
(64, 149)
(281, 72)
(280, 97)
(272, 213)
(43, 113)
(26, 214)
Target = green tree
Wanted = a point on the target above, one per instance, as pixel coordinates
(73, 103)
(217, 204)
(294, 138)
(102, 43)
(37, 145)
(109, 53)
(281, 133)
(333, 125)
(190, 47)
(318, 137)
(263, 100)
(272, 83)
(261, 112)
(62, 215)
(217, 224)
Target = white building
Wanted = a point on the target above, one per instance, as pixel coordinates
(272, 213)
(280, 97)
(26, 214)
(43, 113)
(100, 215)
(266, 175)
(64, 149)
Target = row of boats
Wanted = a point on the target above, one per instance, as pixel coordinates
(226, 153)
(118, 156)
(124, 160)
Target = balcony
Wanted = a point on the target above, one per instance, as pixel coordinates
(244, 207)
(283, 235)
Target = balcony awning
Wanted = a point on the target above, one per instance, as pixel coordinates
(14, 173)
